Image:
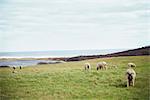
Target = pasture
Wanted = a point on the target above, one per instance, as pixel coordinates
(69, 81)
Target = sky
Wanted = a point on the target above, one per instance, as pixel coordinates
(35, 25)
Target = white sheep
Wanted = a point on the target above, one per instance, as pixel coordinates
(102, 65)
(14, 68)
(130, 76)
(131, 65)
(87, 66)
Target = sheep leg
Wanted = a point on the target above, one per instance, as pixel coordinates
(88, 67)
(97, 68)
(133, 82)
(105, 67)
(127, 83)
(100, 67)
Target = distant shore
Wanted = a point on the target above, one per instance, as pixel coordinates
(134, 52)
(56, 53)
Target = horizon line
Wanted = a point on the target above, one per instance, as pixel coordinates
(76, 49)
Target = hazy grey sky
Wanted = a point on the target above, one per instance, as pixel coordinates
(73, 24)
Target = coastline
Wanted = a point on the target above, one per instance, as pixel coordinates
(56, 53)
(133, 52)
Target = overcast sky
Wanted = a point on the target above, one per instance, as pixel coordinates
(73, 24)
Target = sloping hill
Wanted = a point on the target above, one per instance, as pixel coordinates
(133, 52)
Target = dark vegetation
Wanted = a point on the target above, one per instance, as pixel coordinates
(134, 52)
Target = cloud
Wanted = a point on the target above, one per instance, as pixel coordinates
(27, 21)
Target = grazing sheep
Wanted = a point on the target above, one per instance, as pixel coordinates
(102, 65)
(130, 76)
(131, 65)
(87, 66)
(20, 67)
(13, 69)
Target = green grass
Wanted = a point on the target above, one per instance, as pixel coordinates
(69, 81)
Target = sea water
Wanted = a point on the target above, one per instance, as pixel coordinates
(47, 54)
(57, 53)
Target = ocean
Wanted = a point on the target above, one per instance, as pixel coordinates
(23, 63)
(47, 54)
(57, 53)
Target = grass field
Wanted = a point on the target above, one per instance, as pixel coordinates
(69, 81)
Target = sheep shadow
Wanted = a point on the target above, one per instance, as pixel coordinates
(119, 84)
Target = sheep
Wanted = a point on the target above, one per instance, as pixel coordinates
(130, 76)
(87, 66)
(102, 65)
(131, 65)
(14, 68)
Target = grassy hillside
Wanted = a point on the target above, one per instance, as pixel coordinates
(133, 52)
(69, 81)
